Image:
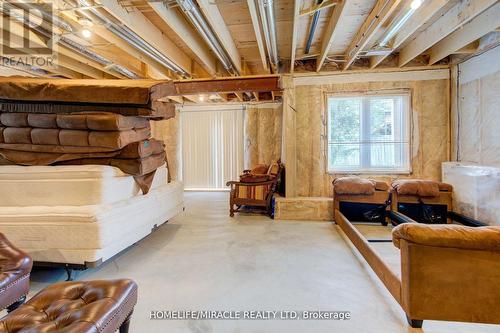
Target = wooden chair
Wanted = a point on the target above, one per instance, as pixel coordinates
(255, 195)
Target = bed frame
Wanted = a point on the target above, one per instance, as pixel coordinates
(392, 202)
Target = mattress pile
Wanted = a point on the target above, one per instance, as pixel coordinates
(81, 177)
(106, 122)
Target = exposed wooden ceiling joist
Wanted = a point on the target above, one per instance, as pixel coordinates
(330, 33)
(80, 67)
(239, 96)
(316, 7)
(86, 61)
(161, 72)
(382, 10)
(296, 9)
(214, 18)
(185, 32)
(140, 25)
(478, 27)
(417, 21)
(456, 17)
(258, 33)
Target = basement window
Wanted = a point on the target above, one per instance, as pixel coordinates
(369, 133)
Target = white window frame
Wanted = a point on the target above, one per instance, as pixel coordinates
(407, 123)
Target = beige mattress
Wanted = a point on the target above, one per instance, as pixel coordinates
(94, 233)
(78, 185)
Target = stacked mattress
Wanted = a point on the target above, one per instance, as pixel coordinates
(106, 122)
(126, 97)
(81, 177)
(81, 214)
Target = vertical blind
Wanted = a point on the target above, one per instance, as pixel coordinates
(212, 148)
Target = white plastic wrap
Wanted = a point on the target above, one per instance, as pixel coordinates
(476, 190)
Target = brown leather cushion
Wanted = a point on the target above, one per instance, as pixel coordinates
(136, 150)
(251, 178)
(419, 187)
(83, 307)
(357, 186)
(97, 121)
(15, 268)
(124, 92)
(80, 138)
(142, 149)
(259, 169)
(449, 235)
(138, 167)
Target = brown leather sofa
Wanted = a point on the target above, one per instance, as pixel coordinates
(15, 268)
(449, 272)
(84, 306)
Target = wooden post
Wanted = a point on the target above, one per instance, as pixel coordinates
(289, 144)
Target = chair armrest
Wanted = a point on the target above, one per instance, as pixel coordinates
(448, 235)
(269, 182)
(14, 263)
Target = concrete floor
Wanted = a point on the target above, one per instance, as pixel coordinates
(204, 260)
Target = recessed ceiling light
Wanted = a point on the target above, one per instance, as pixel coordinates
(86, 33)
(201, 98)
(415, 4)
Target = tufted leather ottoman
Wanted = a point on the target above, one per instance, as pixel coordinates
(71, 307)
(15, 268)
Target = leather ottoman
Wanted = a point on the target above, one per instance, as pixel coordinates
(70, 307)
(15, 268)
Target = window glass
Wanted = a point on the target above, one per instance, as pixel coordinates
(368, 133)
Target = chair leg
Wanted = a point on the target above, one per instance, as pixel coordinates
(126, 324)
(231, 210)
(415, 323)
(16, 304)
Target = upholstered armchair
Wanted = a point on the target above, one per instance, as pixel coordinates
(15, 268)
(449, 272)
(255, 189)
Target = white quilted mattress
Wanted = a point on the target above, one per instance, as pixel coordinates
(78, 185)
(79, 234)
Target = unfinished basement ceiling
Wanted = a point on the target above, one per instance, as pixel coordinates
(161, 40)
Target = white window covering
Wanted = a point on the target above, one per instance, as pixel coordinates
(212, 147)
(369, 133)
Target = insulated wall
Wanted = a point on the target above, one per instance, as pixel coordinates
(429, 134)
(262, 134)
(476, 130)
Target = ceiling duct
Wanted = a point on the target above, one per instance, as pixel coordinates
(312, 28)
(130, 37)
(193, 13)
(268, 21)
